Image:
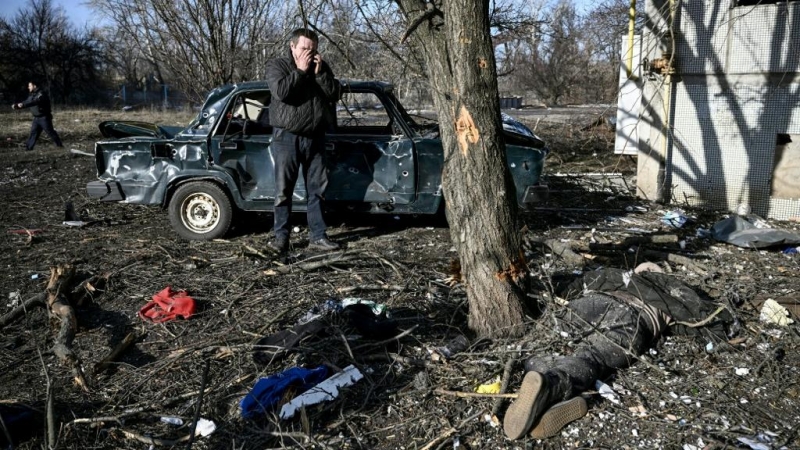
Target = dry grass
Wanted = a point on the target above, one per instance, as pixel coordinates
(80, 124)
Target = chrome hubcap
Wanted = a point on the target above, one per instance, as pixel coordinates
(200, 213)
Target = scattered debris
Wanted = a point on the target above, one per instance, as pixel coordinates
(177, 421)
(322, 392)
(456, 345)
(204, 427)
(741, 232)
(268, 392)
(75, 151)
(772, 312)
(675, 219)
(606, 392)
(489, 388)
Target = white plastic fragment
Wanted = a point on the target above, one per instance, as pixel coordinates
(324, 391)
(606, 392)
(172, 420)
(742, 371)
(772, 312)
(14, 299)
(204, 427)
(753, 444)
(74, 223)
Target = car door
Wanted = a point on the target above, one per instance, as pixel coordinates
(241, 145)
(369, 158)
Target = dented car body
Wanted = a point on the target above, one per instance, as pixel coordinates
(380, 158)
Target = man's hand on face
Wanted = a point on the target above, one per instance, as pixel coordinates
(303, 60)
(305, 55)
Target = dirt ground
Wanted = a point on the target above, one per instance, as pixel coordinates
(687, 393)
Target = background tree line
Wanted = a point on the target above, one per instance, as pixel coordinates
(546, 52)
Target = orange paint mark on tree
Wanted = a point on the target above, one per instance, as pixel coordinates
(517, 271)
(466, 130)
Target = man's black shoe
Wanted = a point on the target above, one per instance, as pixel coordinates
(323, 244)
(279, 245)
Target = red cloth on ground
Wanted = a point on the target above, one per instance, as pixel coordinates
(168, 305)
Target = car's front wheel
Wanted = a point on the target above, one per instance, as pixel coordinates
(200, 211)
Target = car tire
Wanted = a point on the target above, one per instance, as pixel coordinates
(200, 211)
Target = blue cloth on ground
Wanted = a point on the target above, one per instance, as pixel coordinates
(268, 391)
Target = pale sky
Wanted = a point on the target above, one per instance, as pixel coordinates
(80, 14)
(76, 10)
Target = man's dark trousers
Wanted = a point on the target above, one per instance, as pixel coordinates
(42, 123)
(291, 152)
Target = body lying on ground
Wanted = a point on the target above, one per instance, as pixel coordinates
(621, 314)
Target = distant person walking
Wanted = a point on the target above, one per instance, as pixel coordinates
(39, 103)
(303, 88)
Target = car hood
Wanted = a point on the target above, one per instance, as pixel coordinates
(124, 128)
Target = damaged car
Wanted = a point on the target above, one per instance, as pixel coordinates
(381, 159)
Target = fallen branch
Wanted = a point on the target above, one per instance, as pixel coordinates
(564, 250)
(463, 394)
(704, 321)
(121, 347)
(308, 266)
(49, 415)
(132, 411)
(36, 301)
(254, 251)
(86, 289)
(504, 383)
(386, 341)
(203, 383)
(383, 260)
(394, 357)
(153, 441)
(452, 430)
(677, 259)
(61, 310)
(347, 290)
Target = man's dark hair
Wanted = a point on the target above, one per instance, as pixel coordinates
(303, 32)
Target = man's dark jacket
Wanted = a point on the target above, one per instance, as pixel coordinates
(301, 101)
(38, 102)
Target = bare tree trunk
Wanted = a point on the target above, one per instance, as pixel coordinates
(478, 190)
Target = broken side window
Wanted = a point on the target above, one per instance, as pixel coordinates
(362, 113)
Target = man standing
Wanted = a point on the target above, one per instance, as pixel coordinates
(302, 87)
(39, 103)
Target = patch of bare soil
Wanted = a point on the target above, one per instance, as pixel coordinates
(686, 393)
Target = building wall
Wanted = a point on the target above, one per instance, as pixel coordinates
(733, 99)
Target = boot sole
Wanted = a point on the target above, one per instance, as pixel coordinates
(521, 414)
(555, 418)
